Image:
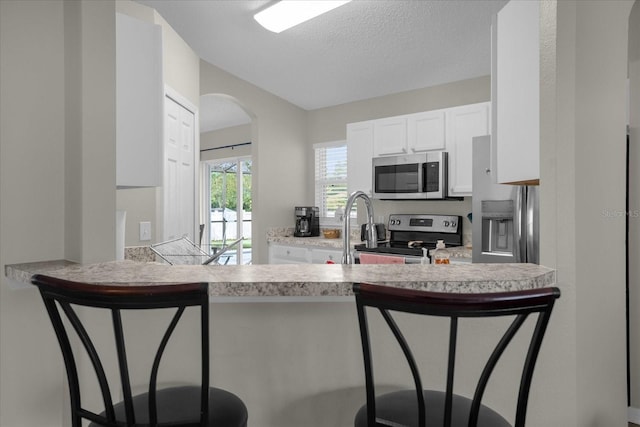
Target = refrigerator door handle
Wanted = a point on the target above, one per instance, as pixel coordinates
(532, 226)
(518, 247)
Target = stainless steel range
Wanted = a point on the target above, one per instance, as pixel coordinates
(410, 233)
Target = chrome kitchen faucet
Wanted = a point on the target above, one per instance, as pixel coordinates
(372, 235)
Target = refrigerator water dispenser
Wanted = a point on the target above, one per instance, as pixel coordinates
(497, 227)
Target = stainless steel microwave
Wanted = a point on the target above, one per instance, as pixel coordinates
(412, 177)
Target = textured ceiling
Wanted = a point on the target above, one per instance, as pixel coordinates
(364, 49)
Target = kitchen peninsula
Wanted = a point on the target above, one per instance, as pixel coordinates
(296, 282)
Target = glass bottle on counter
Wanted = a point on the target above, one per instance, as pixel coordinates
(441, 254)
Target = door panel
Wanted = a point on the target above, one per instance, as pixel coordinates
(179, 176)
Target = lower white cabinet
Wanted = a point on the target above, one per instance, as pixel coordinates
(324, 256)
(280, 254)
(288, 254)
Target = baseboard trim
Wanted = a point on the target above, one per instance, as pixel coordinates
(633, 414)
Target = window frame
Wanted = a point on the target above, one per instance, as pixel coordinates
(325, 219)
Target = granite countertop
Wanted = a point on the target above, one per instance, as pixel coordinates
(311, 242)
(457, 251)
(284, 236)
(308, 280)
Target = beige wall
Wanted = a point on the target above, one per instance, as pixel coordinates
(584, 54)
(278, 136)
(57, 169)
(634, 208)
(225, 137)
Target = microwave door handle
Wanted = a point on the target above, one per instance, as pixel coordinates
(423, 170)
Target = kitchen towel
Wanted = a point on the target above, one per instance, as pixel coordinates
(366, 258)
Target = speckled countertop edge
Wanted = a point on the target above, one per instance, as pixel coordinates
(306, 280)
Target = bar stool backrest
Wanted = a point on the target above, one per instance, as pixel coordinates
(61, 297)
(518, 304)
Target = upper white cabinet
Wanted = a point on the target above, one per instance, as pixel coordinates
(409, 134)
(516, 92)
(359, 155)
(426, 131)
(390, 136)
(139, 99)
(464, 123)
(450, 129)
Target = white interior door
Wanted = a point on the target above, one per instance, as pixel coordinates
(179, 174)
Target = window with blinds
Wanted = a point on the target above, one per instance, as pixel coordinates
(331, 179)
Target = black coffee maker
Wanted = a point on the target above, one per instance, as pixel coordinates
(307, 221)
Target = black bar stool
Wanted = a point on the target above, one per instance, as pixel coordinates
(198, 405)
(419, 407)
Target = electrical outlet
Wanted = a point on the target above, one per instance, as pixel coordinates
(145, 230)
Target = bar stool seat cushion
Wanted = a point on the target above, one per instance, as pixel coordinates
(181, 406)
(400, 409)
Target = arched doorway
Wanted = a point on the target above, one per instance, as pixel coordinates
(226, 186)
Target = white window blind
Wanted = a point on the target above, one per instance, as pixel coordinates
(330, 178)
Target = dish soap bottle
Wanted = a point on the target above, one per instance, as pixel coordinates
(441, 254)
(425, 257)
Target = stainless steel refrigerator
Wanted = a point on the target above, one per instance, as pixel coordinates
(505, 221)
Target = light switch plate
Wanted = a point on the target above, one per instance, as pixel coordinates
(145, 230)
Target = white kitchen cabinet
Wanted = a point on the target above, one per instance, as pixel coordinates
(516, 92)
(359, 155)
(450, 129)
(290, 254)
(139, 103)
(426, 131)
(284, 254)
(464, 123)
(409, 134)
(323, 256)
(390, 136)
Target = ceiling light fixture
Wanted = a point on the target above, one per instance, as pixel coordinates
(289, 13)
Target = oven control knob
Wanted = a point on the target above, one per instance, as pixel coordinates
(453, 224)
(446, 223)
(398, 222)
